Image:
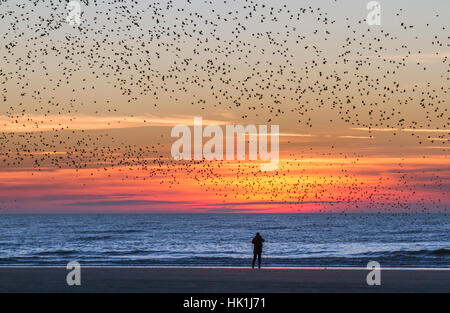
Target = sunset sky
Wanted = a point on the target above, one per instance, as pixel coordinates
(87, 112)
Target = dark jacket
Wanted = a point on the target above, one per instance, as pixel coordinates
(257, 244)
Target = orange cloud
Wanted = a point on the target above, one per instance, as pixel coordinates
(34, 123)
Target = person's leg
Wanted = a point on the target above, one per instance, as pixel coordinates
(259, 260)
(254, 259)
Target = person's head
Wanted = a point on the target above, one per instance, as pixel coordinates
(257, 234)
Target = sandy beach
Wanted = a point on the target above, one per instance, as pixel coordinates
(221, 280)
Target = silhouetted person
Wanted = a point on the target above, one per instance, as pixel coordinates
(257, 249)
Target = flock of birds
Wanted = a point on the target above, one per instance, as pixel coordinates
(274, 63)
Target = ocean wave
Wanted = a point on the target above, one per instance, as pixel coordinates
(57, 252)
(129, 252)
(436, 252)
(423, 253)
(361, 262)
(89, 238)
(110, 231)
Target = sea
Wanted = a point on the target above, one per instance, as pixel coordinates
(224, 240)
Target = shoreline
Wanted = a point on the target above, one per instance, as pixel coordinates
(225, 267)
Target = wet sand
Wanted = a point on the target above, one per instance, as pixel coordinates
(224, 280)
